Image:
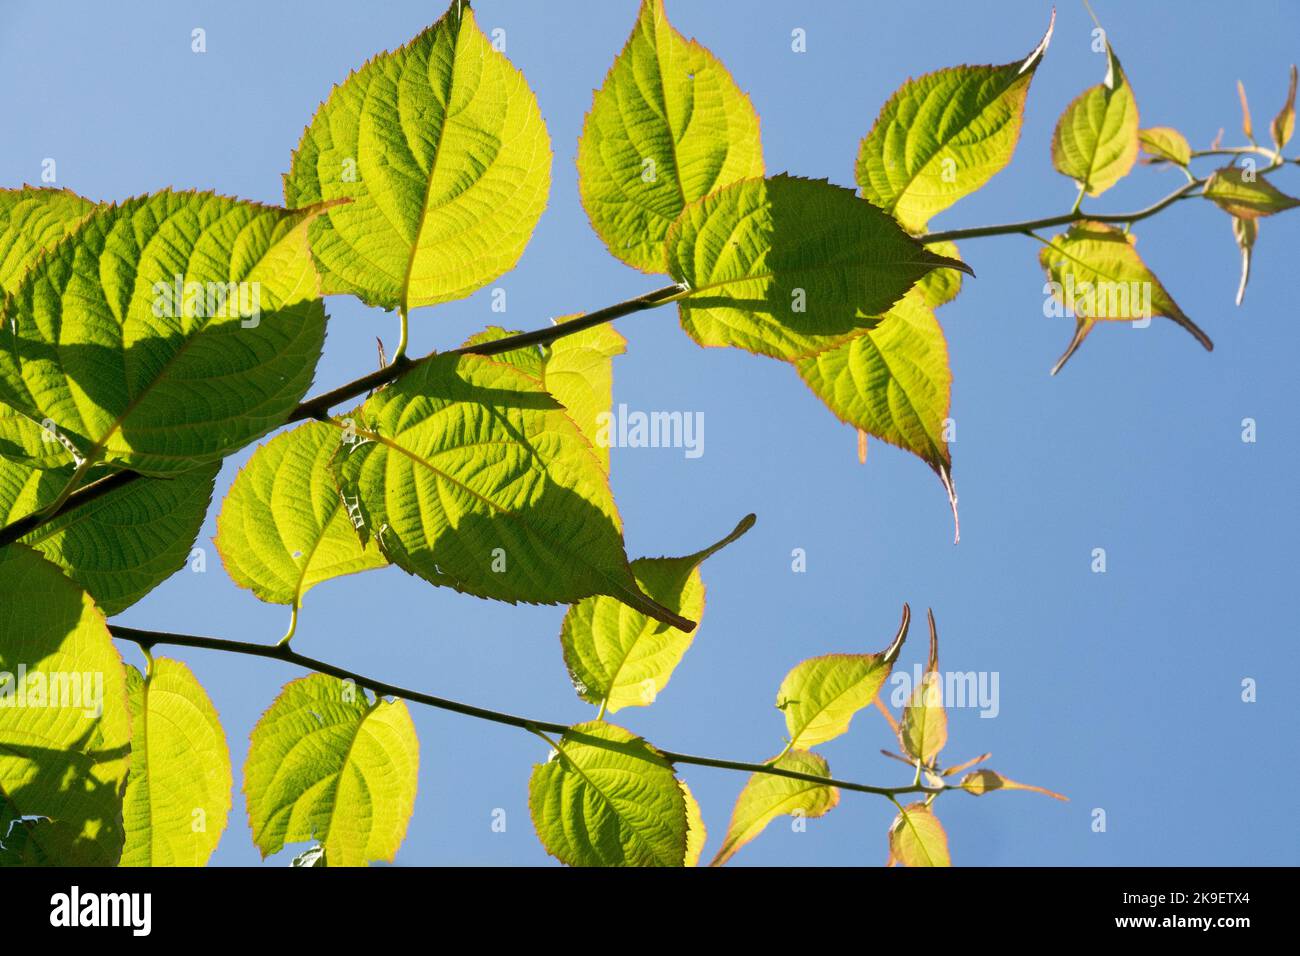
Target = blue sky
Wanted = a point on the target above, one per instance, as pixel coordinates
(1123, 689)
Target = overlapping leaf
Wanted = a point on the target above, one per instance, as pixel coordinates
(924, 728)
(1096, 274)
(178, 791)
(607, 798)
(120, 546)
(326, 764)
(668, 127)
(65, 730)
(787, 266)
(766, 797)
(33, 220)
(944, 135)
(696, 833)
(472, 476)
(284, 526)
(942, 285)
(619, 657)
(917, 838)
(1096, 138)
(441, 149)
(167, 332)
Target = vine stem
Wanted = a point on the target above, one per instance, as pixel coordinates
(282, 652)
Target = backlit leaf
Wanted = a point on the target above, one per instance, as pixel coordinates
(668, 127)
(696, 833)
(578, 371)
(1283, 125)
(472, 476)
(942, 285)
(284, 527)
(766, 797)
(329, 765)
(607, 798)
(923, 729)
(820, 695)
(29, 443)
(1095, 273)
(31, 221)
(1096, 138)
(441, 149)
(788, 266)
(980, 782)
(916, 838)
(167, 332)
(1246, 194)
(619, 657)
(1245, 231)
(944, 135)
(1165, 143)
(178, 791)
(65, 730)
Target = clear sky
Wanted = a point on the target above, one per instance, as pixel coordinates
(1122, 689)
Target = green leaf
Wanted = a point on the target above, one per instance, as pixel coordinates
(944, 135)
(96, 340)
(1165, 144)
(1096, 138)
(328, 765)
(441, 148)
(788, 266)
(1096, 275)
(473, 477)
(1246, 194)
(696, 833)
(916, 838)
(892, 382)
(31, 221)
(1283, 125)
(942, 285)
(980, 782)
(120, 546)
(924, 728)
(766, 797)
(668, 127)
(618, 657)
(821, 694)
(178, 790)
(65, 730)
(607, 798)
(1245, 232)
(284, 527)
(28, 443)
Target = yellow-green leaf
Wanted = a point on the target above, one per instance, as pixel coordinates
(820, 695)
(788, 266)
(942, 285)
(607, 798)
(1245, 232)
(1164, 143)
(1246, 194)
(31, 221)
(1095, 275)
(916, 838)
(329, 765)
(696, 833)
(65, 729)
(944, 135)
(618, 657)
(578, 371)
(1283, 125)
(178, 791)
(440, 148)
(668, 127)
(767, 796)
(980, 782)
(924, 728)
(284, 526)
(1096, 138)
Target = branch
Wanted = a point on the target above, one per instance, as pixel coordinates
(319, 406)
(282, 652)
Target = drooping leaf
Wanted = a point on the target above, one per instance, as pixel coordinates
(328, 765)
(923, 729)
(1245, 231)
(120, 546)
(1096, 274)
(766, 797)
(1165, 144)
(1246, 194)
(607, 798)
(696, 833)
(441, 148)
(1096, 138)
(980, 782)
(618, 657)
(1283, 125)
(942, 285)
(944, 135)
(820, 695)
(178, 792)
(31, 221)
(65, 730)
(668, 127)
(167, 332)
(284, 526)
(788, 266)
(892, 382)
(473, 477)
(916, 838)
